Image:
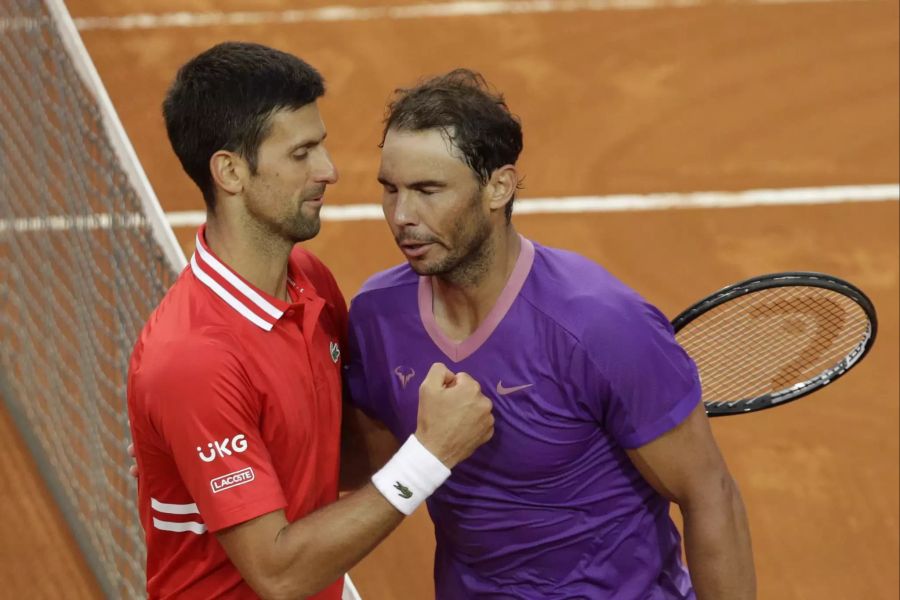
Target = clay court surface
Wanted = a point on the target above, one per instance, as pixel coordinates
(717, 97)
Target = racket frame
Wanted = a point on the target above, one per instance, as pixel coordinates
(775, 280)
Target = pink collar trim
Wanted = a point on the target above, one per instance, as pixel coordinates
(458, 351)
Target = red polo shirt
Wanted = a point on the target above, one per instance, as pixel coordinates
(234, 400)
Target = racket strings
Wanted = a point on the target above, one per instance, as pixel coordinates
(751, 373)
(830, 320)
(829, 324)
(772, 340)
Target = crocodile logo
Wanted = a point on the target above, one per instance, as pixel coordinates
(335, 350)
(405, 492)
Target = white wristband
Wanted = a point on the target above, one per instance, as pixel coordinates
(412, 474)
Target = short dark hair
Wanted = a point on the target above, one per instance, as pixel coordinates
(224, 98)
(476, 120)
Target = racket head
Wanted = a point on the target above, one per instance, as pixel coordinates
(774, 338)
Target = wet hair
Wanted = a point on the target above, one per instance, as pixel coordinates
(476, 121)
(224, 99)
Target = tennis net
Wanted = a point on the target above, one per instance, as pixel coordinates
(85, 255)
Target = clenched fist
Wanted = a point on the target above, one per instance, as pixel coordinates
(454, 416)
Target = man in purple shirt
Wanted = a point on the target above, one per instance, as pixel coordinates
(598, 419)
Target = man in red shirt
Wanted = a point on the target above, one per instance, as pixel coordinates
(234, 392)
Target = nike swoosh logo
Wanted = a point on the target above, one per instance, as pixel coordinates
(509, 390)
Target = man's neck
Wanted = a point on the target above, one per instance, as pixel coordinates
(461, 306)
(253, 255)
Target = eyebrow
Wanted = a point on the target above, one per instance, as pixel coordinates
(308, 144)
(416, 184)
(427, 183)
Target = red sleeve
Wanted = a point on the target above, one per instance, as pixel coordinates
(207, 413)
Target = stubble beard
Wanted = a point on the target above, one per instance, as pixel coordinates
(302, 227)
(469, 261)
(294, 228)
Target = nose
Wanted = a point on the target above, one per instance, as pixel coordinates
(325, 171)
(400, 209)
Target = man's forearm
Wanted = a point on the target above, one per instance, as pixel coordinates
(717, 543)
(290, 560)
(306, 556)
(328, 542)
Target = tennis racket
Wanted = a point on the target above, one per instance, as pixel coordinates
(772, 339)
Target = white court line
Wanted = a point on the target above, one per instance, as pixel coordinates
(626, 202)
(463, 8)
(524, 206)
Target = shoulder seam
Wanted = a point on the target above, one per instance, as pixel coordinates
(569, 332)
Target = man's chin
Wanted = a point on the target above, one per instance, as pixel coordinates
(306, 231)
(424, 268)
(417, 267)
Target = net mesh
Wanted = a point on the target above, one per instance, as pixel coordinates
(769, 340)
(81, 271)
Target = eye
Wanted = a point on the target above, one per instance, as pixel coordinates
(389, 189)
(301, 156)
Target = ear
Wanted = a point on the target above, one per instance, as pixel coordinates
(229, 171)
(502, 186)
